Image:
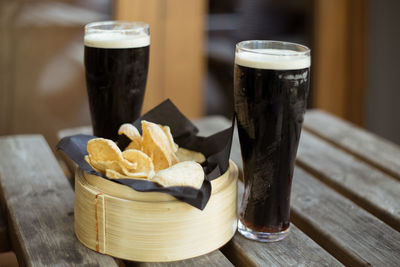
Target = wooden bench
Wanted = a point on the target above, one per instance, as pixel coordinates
(345, 203)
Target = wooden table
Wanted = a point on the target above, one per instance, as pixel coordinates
(345, 203)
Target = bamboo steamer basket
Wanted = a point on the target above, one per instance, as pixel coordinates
(116, 220)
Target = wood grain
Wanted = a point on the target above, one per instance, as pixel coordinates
(368, 187)
(215, 258)
(295, 250)
(39, 202)
(367, 146)
(349, 233)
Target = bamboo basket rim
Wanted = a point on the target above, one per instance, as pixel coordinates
(124, 192)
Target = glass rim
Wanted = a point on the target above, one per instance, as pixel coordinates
(135, 25)
(306, 51)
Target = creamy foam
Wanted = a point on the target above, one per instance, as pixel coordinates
(117, 40)
(273, 59)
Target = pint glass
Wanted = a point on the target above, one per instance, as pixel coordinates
(271, 83)
(116, 64)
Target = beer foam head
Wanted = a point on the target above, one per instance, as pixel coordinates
(273, 59)
(115, 39)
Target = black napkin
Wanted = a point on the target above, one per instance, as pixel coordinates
(216, 149)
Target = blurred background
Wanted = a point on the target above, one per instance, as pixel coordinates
(355, 56)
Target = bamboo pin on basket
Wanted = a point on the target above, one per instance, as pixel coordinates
(152, 227)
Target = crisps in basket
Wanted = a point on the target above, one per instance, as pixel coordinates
(153, 156)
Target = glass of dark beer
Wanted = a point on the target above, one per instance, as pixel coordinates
(271, 83)
(116, 63)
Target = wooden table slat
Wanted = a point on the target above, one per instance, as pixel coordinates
(369, 147)
(40, 207)
(351, 234)
(370, 188)
(215, 258)
(295, 250)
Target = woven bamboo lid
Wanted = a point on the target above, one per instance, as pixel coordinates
(151, 227)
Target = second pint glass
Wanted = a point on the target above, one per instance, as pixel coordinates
(116, 63)
(271, 83)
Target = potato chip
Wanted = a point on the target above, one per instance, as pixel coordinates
(140, 175)
(187, 173)
(113, 169)
(173, 147)
(101, 166)
(157, 146)
(184, 154)
(87, 159)
(134, 145)
(167, 131)
(112, 174)
(154, 151)
(130, 131)
(143, 161)
(118, 167)
(103, 150)
(104, 153)
(133, 134)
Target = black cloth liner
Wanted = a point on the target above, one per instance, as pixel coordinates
(216, 149)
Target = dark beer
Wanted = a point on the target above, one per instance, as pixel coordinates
(116, 73)
(270, 101)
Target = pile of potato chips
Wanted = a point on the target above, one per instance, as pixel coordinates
(154, 156)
